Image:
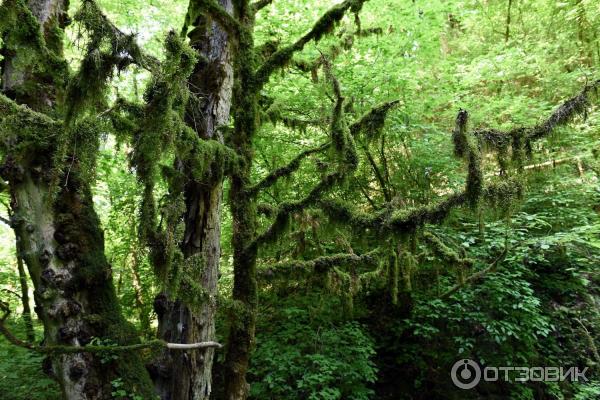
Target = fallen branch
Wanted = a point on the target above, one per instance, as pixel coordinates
(95, 349)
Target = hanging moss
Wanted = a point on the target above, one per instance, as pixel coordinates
(300, 270)
(519, 140)
(466, 147)
(108, 51)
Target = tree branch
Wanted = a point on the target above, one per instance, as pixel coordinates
(406, 221)
(284, 171)
(562, 115)
(323, 26)
(287, 208)
(260, 4)
(318, 265)
(93, 19)
(476, 276)
(5, 221)
(373, 120)
(66, 349)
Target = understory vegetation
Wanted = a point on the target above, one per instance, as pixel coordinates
(348, 197)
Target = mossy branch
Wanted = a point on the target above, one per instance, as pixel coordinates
(108, 49)
(97, 23)
(320, 265)
(446, 253)
(520, 139)
(406, 221)
(24, 129)
(285, 210)
(9, 107)
(285, 171)
(322, 27)
(260, 4)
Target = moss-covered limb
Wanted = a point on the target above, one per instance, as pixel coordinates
(260, 4)
(272, 113)
(303, 269)
(476, 276)
(405, 221)
(322, 27)
(285, 171)
(372, 122)
(446, 253)
(108, 49)
(9, 107)
(565, 113)
(285, 210)
(101, 29)
(519, 139)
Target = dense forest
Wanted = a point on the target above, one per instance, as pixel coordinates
(299, 199)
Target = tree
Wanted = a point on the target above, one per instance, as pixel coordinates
(189, 375)
(57, 229)
(46, 164)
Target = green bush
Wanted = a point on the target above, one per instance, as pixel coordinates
(298, 360)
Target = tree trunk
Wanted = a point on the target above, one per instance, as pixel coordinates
(188, 375)
(25, 299)
(59, 237)
(243, 210)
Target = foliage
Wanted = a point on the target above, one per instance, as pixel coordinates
(300, 357)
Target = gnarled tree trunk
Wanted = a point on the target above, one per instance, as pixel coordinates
(187, 375)
(58, 232)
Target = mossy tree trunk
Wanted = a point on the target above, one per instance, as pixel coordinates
(58, 232)
(188, 375)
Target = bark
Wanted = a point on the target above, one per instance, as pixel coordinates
(59, 238)
(188, 375)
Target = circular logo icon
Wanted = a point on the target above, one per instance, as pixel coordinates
(465, 374)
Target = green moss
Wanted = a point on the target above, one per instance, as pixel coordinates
(38, 53)
(108, 50)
